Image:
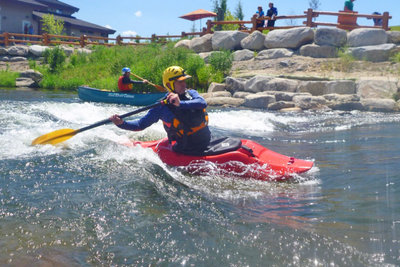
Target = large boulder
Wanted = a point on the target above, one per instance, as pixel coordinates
(255, 41)
(274, 53)
(379, 105)
(258, 101)
(242, 55)
(3, 51)
(318, 51)
(344, 102)
(366, 37)
(31, 74)
(315, 88)
(257, 84)
(183, 43)
(235, 84)
(227, 40)
(280, 84)
(18, 50)
(393, 37)
(310, 102)
(37, 50)
(291, 38)
(216, 87)
(341, 87)
(225, 101)
(376, 88)
(374, 53)
(330, 36)
(201, 44)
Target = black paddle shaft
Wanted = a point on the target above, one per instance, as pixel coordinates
(121, 116)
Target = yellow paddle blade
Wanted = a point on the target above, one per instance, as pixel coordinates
(55, 137)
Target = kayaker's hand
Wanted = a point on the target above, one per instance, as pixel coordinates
(174, 99)
(116, 120)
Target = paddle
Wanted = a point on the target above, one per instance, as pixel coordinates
(61, 135)
(158, 87)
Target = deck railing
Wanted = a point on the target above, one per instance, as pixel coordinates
(345, 20)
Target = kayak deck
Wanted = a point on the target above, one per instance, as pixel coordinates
(251, 160)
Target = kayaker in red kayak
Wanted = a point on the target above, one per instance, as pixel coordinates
(184, 117)
(125, 84)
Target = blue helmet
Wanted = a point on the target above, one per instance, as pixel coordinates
(125, 70)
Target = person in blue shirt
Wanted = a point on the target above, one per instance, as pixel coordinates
(184, 117)
(260, 15)
(272, 12)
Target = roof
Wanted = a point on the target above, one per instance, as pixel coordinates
(32, 2)
(76, 22)
(58, 3)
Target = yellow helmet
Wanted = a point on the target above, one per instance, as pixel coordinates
(171, 74)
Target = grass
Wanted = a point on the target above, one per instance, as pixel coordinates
(102, 67)
(7, 78)
(395, 28)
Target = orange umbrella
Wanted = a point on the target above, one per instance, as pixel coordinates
(198, 14)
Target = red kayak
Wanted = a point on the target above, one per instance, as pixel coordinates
(237, 157)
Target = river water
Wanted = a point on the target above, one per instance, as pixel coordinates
(92, 201)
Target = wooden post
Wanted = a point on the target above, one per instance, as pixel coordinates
(254, 21)
(309, 22)
(6, 39)
(119, 40)
(82, 40)
(46, 39)
(385, 21)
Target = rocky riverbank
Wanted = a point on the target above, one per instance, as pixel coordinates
(301, 69)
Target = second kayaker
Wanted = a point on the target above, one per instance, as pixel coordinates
(184, 117)
(125, 83)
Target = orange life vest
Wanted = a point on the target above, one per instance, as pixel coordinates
(124, 86)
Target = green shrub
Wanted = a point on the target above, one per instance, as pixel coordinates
(221, 61)
(55, 58)
(7, 78)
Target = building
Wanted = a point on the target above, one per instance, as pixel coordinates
(16, 16)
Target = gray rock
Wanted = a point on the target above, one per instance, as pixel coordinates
(258, 101)
(274, 53)
(37, 50)
(287, 96)
(242, 55)
(330, 36)
(379, 105)
(18, 50)
(227, 40)
(3, 51)
(241, 94)
(205, 56)
(366, 37)
(309, 102)
(280, 105)
(376, 88)
(216, 87)
(280, 84)
(17, 59)
(5, 58)
(344, 102)
(183, 43)
(234, 84)
(374, 53)
(318, 51)
(257, 84)
(393, 37)
(68, 51)
(291, 38)
(201, 44)
(315, 88)
(341, 87)
(25, 82)
(32, 74)
(255, 41)
(225, 101)
(80, 50)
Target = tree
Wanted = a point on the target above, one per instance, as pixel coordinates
(239, 11)
(314, 4)
(220, 8)
(51, 25)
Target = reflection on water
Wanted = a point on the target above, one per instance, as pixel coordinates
(92, 201)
